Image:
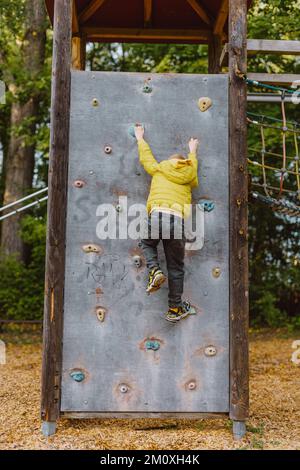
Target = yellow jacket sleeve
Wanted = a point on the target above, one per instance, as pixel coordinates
(194, 160)
(146, 157)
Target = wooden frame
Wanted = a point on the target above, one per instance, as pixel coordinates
(145, 34)
(238, 218)
(58, 180)
(57, 206)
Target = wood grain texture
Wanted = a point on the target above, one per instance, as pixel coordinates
(238, 212)
(214, 54)
(55, 248)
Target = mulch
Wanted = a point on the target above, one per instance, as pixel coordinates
(274, 421)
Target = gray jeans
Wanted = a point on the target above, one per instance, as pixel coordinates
(169, 229)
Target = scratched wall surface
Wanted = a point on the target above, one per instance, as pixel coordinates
(119, 373)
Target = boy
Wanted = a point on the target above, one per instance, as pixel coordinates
(168, 204)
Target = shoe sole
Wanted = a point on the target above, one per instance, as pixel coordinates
(175, 320)
(160, 279)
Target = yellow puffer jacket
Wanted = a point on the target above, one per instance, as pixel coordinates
(172, 181)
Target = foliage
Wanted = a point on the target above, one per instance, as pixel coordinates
(273, 239)
(22, 286)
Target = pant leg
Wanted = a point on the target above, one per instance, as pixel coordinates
(150, 242)
(174, 252)
(149, 248)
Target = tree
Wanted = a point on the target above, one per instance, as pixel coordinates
(24, 60)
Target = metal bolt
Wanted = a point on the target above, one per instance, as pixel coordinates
(123, 388)
(118, 208)
(241, 168)
(241, 231)
(210, 351)
(239, 202)
(91, 172)
(95, 102)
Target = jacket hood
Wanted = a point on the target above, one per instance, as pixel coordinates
(179, 171)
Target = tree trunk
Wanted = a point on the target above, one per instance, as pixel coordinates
(23, 119)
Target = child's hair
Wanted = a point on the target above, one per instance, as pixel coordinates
(178, 156)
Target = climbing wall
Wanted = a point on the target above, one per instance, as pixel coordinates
(119, 353)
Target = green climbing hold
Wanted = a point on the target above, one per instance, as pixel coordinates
(131, 129)
(206, 204)
(77, 375)
(152, 344)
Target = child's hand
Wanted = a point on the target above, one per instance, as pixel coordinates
(193, 145)
(139, 131)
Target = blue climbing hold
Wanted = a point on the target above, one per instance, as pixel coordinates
(131, 130)
(152, 344)
(206, 204)
(77, 375)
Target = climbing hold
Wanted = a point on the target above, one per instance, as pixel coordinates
(131, 129)
(191, 385)
(147, 88)
(152, 344)
(204, 103)
(206, 204)
(107, 149)
(210, 351)
(137, 261)
(216, 272)
(123, 388)
(92, 248)
(77, 375)
(78, 184)
(100, 312)
(95, 102)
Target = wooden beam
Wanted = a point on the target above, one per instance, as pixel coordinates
(92, 7)
(147, 13)
(224, 56)
(145, 34)
(222, 17)
(275, 78)
(75, 23)
(199, 10)
(57, 205)
(238, 213)
(78, 52)
(214, 52)
(268, 46)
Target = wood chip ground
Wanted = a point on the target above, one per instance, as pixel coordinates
(274, 421)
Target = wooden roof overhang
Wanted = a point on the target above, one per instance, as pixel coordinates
(152, 21)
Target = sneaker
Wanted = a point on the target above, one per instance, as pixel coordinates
(156, 279)
(175, 314)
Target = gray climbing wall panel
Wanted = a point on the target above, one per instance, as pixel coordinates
(190, 370)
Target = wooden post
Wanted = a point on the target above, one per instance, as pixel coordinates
(78, 52)
(214, 54)
(57, 202)
(237, 48)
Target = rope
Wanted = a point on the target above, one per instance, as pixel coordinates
(282, 206)
(286, 127)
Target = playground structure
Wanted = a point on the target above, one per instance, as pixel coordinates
(217, 382)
